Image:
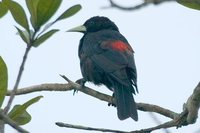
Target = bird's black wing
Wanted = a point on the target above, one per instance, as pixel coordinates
(114, 59)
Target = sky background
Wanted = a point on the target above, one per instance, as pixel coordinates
(165, 39)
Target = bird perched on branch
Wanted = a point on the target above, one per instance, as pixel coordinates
(107, 58)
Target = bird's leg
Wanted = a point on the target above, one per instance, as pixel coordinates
(81, 82)
(112, 104)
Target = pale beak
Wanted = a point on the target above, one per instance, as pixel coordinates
(81, 28)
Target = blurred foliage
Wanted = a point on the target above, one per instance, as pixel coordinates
(3, 80)
(41, 11)
(19, 113)
(194, 4)
(3, 9)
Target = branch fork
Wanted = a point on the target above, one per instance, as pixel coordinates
(188, 116)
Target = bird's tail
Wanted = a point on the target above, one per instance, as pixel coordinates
(126, 106)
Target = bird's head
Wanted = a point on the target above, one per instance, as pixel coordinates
(95, 24)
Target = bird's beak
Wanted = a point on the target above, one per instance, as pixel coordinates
(81, 28)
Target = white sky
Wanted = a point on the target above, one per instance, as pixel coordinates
(165, 39)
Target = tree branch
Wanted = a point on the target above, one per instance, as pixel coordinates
(158, 122)
(192, 105)
(147, 130)
(104, 97)
(136, 7)
(60, 124)
(178, 122)
(157, 109)
(21, 69)
(7, 120)
(188, 116)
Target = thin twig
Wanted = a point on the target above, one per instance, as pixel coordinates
(12, 95)
(136, 7)
(197, 131)
(2, 126)
(60, 124)
(67, 79)
(9, 121)
(115, 5)
(157, 121)
(172, 123)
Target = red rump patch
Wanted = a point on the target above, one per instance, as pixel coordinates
(120, 46)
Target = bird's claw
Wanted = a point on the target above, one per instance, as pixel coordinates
(111, 103)
(75, 91)
(81, 82)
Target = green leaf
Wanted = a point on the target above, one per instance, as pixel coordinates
(44, 37)
(3, 80)
(194, 4)
(45, 10)
(3, 9)
(24, 35)
(19, 113)
(32, 101)
(23, 118)
(69, 12)
(32, 7)
(18, 13)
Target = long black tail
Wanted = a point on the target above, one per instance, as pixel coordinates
(126, 106)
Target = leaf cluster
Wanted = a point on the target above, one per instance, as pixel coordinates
(34, 32)
(41, 11)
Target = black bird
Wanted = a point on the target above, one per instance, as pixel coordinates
(107, 58)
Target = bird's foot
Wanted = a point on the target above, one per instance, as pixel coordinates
(81, 82)
(112, 104)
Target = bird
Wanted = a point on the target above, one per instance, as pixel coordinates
(107, 58)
